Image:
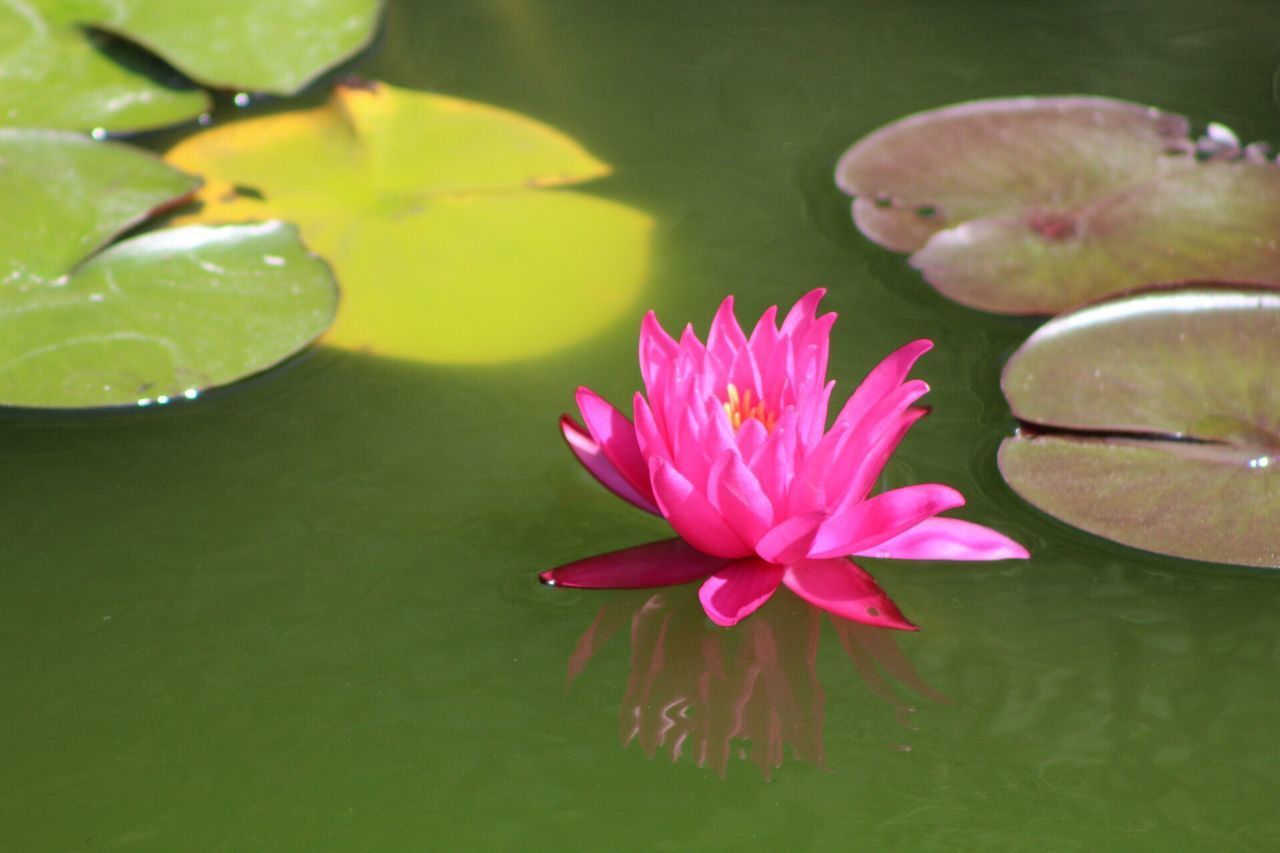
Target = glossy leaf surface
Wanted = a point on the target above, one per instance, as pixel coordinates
(63, 195)
(1172, 422)
(165, 314)
(245, 44)
(58, 68)
(1035, 205)
(437, 216)
(53, 73)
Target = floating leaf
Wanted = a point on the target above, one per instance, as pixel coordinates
(62, 196)
(53, 73)
(1035, 205)
(1154, 420)
(437, 217)
(164, 314)
(57, 71)
(245, 44)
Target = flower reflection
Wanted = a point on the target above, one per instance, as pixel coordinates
(709, 695)
(753, 694)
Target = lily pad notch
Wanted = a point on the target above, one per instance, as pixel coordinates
(1154, 420)
(456, 227)
(156, 317)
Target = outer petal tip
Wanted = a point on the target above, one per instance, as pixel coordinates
(948, 539)
(845, 590)
(548, 577)
(593, 458)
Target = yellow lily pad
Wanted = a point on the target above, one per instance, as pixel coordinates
(441, 218)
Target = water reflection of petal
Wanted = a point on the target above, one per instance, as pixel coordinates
(699, 691)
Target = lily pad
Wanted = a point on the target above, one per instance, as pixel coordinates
(58, 69)
(1154, 420)
(62, 196)
(1036, 205)
(244, 44)
(152, 318)
(440, 217)
(54, 73)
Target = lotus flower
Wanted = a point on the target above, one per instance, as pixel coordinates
(730, 445)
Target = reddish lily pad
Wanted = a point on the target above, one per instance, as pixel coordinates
(1154, 420)
(1036, 205)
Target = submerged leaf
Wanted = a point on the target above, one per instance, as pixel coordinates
(436, 214)
(1034, 205)
(165, 314)
(1154, 420)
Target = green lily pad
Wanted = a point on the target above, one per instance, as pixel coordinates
(440, 216)
(1154, 420)
(152, 318)
(54, 73)
(245, 44)
(1036, 205)
(58, 69)
(62, 196)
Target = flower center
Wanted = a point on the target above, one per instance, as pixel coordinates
(743, 407)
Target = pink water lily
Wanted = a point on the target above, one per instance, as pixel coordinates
(730, 445)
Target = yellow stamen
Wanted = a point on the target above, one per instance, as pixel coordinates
(739, 408)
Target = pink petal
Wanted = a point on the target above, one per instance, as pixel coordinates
(617, 439)
(649, 438)
(802, 313)
(870, 522)
(589, 454)
(744, 372)
(883, 378)
(749, 437)
(695, 447)
(948, 539)
(842, 588)
(725, 338)
(792, 539)
(666, 563)
(765, 335)
(657, 351)
(736, 494)
(862, 462)
(691, 515)
(737, 590)
(843, 465)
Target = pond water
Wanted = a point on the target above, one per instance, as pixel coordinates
(303, 612)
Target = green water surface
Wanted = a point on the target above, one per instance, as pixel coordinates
(303, 614)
